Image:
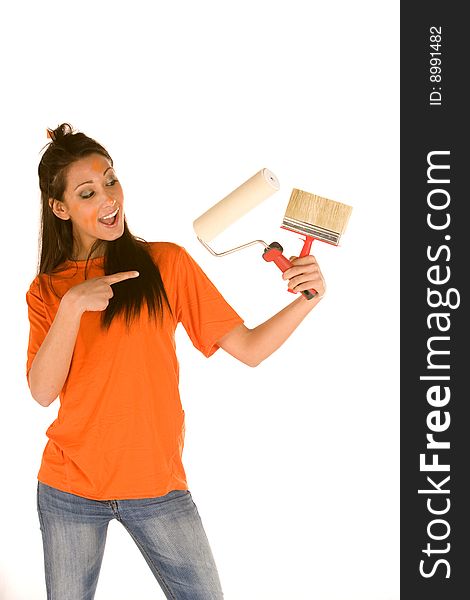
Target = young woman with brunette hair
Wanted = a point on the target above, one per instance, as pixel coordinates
(103, 310)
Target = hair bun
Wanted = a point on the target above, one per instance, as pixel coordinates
(56, 135)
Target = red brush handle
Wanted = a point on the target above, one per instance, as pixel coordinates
(307, 245)
(273, 253)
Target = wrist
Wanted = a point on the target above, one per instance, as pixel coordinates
(70, 306)
(308, 304)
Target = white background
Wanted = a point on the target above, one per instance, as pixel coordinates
(293, 465)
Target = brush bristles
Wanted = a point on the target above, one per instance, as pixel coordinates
(318, 211)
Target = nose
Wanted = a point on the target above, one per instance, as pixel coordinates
(109, 196)
(110, 200)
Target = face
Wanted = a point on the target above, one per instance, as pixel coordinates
(93, 201)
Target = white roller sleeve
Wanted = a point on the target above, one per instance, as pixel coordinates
(248, 195)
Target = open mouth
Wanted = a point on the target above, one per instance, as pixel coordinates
(111, 219)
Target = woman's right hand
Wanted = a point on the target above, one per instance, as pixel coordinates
(94, 294)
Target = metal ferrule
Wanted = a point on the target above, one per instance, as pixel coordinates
(325, 235)
(233, 249)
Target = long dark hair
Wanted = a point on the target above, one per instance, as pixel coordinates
(127, 253)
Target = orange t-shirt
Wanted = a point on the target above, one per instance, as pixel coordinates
(119, 432)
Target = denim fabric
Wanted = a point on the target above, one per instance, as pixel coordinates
(167, 530)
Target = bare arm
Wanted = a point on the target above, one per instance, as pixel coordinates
(252, 346)
(51, 364)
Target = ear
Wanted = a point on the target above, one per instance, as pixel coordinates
(59, 209)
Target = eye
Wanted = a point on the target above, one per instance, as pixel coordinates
(87, 196)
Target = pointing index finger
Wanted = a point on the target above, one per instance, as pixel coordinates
(117, 277)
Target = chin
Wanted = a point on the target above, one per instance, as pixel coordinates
(113, 235)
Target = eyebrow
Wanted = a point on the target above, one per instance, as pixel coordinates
(91, 180)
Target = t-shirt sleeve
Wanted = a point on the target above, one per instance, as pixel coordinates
(39, 323)
(203, 311)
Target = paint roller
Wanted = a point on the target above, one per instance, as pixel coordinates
(310, 215)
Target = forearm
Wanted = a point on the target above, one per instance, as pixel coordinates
(52, 362)
(252, 346)
(267, 337)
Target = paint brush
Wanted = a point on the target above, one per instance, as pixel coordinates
(316, 218)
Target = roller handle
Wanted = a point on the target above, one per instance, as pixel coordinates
(273, 253)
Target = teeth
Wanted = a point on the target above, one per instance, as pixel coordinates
(110, 216)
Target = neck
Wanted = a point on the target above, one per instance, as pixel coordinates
(95, 251)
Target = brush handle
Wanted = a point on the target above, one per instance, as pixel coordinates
(307, 245)
(273, 253)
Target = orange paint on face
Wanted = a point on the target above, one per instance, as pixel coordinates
(96, 165)
(89, 220)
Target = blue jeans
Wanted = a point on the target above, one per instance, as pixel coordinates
(167, 530)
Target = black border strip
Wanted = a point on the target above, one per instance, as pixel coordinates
(435, 525)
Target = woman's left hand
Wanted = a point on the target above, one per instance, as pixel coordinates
(305, 274)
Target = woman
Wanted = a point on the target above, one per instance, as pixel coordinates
(103, 310)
